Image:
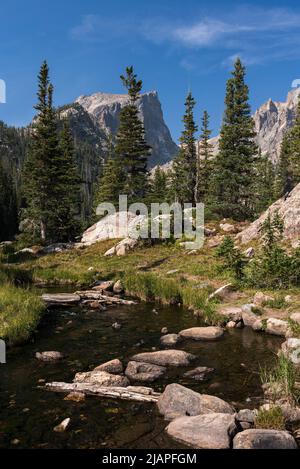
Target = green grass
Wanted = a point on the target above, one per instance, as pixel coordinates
(272, 419)
(278, 302)
(20, 313)
(280, 381)
(294, 327)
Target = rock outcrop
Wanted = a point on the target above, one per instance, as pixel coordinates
(165, 357)
(264, 439)
(288, 208)
(104, 110)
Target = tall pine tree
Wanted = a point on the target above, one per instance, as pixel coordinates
(158, 186)
(132, 149)
(111, 181)
(284, 180)
(204, 161)
(50, 174)
(235, 163)
(185, 163)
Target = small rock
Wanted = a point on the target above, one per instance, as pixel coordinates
(164, 330)
(295, 317)
(52, 356)
(227, 227)
(277, 327)
(15, 441)
(245, 415)
(215, 241)
(234, 313)
(116, 326)
(260, 298)
(291, 349)
(113, 366)
(231, 325)
(75, 397)
(145, 372)
(249, 253)
(199, 374)
(288, 299)
(264, 439)
(169, 340)
(172, 272)
(170, 357)
(192, 252)
(62, 427)
(90, 269)
(202, 333)
(118, 287)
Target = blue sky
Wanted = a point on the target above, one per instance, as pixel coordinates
(174, 45)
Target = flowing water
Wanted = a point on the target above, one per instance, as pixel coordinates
(28, 413)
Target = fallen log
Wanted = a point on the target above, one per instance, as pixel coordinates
(61, 299)
(130, 393)
(94, 295)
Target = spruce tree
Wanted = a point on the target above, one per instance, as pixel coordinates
(235, 163)
(284, 180)
(294, 148)
(132, 149)
(158, 186)
(67, 186)
(264, 185)
(185, 163)
(8, 206)
(204, 161)
(50, 181)
(111, 181)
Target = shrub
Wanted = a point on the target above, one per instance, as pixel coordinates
(280, 381)
(272, 419)
(233, 257)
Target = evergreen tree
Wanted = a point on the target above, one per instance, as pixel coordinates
(50, 174)
(8, 214)
(235, 163)
(204, 161)
(264, 185)
(132, 149)
(67, 186)
(158, 186)
(185, 163)
(111, 181)
(284, 172)
(294, 150)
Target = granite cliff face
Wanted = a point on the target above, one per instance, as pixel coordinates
(272, 119)
(104, 110)
(288, 208)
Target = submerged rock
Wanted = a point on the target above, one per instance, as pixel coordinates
(264, 439)
(52, 356)
(75, 397)
(177, 401)
(199, 374)
(209, 431)
(165, 357)
(145, 372)
(169, 340)
(202, 333)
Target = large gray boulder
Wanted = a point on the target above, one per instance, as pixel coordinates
(264, 439)
(291, 349)
(165, 357)
(202, 333)
(144, 372)
(288, 208)
(117, 225)
(277, 327)
(210, 431)
(177, 401)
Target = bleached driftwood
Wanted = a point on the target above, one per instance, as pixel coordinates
(94, 295)
(61, 299)
(66, 299)
(130, 393)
